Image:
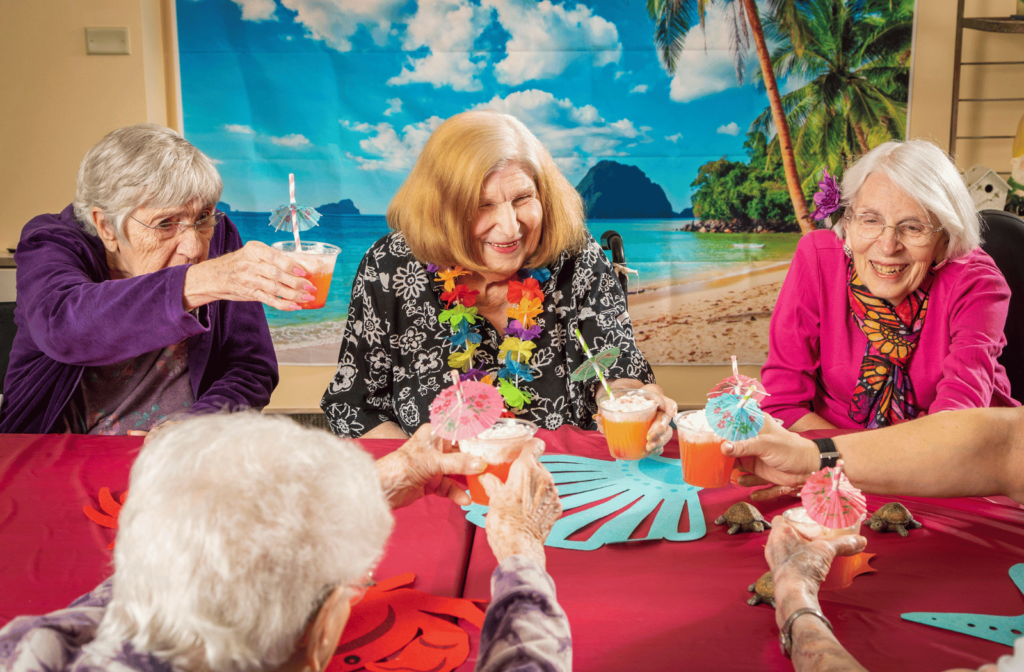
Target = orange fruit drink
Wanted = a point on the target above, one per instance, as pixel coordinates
(700, 451)
(499, 446)
(318, 260)
(841, 573)
(625, 420)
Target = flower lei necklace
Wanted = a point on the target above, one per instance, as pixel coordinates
(460, 315)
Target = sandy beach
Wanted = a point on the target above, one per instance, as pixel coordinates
(700, 322)
(708, 322)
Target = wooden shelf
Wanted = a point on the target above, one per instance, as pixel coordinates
(994, 25)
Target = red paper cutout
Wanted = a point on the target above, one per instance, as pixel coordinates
(391, 619)
(110, 506)
(845, 569)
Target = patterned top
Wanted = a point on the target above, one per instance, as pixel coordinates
(524, 630)
(138, 393)
(394, 356)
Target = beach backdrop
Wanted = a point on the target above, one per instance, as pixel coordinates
(658, 112)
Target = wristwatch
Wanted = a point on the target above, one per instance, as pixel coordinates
(786, 639)
(829, 454)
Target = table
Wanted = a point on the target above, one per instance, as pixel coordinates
(647, 605)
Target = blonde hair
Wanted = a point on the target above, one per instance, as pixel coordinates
(435, 209)
(927, 175)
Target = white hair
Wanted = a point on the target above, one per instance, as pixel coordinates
(144, 165)
(235, 529)
(927, 175)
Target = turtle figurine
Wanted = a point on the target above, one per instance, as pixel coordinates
(763, 591)
(893, 517)
(743, 516)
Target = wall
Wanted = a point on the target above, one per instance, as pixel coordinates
(60, 102)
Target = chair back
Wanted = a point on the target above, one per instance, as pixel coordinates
(1004, 242)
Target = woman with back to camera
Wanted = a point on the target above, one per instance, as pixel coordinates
(485, 219)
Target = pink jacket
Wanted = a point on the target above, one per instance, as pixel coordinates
(815, 346)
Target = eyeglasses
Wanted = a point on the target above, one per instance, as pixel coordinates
(206, 221)
(870, 226)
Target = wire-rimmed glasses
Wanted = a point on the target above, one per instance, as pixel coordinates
(206, 221)
(869, 226)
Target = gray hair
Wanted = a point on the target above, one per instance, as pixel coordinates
(145, 165)
(235, 527)
(927, 175)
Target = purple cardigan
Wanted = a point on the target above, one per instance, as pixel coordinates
(815, 346)
(71, 315)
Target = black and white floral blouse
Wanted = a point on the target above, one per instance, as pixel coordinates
(394, 357)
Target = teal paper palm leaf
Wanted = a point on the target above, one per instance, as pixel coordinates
(644, 483)
(999, 629)
(602, 360)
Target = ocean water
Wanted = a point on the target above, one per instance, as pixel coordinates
(655, 248)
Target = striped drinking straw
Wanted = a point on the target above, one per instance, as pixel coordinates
(295, 220)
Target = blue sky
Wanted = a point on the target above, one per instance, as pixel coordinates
(344, 93)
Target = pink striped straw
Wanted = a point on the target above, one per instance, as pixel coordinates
(295, 221)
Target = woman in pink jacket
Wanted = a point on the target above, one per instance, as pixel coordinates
(897, 312)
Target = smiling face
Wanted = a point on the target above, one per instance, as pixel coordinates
(142, 250)
(890, 269)
(508, 221)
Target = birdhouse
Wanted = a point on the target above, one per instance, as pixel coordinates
(988, 190)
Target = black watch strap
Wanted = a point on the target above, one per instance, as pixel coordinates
(829, 454)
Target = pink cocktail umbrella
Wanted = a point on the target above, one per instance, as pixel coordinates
(465, 409)
(739, 384)
(831, 500)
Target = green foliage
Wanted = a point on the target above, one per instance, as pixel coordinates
(744, 192)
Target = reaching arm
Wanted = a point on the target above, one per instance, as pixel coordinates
(976, 451)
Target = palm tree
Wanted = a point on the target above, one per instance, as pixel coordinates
(854, 57)
(673, 18)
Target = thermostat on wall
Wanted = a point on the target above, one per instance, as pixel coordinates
(111, 41)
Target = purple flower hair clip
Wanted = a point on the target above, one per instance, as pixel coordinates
(827, 199)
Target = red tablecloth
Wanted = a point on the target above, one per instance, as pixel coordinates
(647, 605)
(682, 605)
(50, 553)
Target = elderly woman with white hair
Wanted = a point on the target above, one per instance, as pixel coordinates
(897, 313)
(137, 303)
(246, 539)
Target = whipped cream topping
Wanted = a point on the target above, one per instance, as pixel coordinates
(500, 443)
(628, 402)
(694, 421)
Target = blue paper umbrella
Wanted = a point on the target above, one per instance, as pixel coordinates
(633, 490)
(999, 629)
(734, 417)
(306, 217)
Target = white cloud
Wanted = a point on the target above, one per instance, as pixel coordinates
(732, 128)
(336, 21)
(294, 140)
(448, 28)
(622, 73)
(239, 128)
(674, 138)
(546, 37)
(639, 88)
(257, 10)
(705, 65)
(394, 106)
(394, 151)
(572, 134)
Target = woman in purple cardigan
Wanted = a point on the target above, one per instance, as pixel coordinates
(897, 313)
(138, 303)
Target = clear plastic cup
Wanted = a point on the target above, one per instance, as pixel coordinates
(318, 260)
(841, 573)
(625, 420)
(700, 451)
(499, 446)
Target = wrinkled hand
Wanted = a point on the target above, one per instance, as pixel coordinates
(256, 272)
(523, 509)
(775, 456)
(660, 430)
(799, 566)
(418, 468)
